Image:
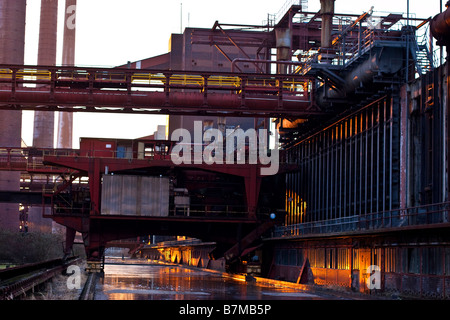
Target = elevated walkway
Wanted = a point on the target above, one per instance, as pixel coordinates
(118, 90)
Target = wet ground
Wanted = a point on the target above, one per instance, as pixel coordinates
(147, 281)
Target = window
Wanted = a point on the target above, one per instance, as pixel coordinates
(342, 259)
(278, 256)
(331, 258)
(432, 260)
(286, 257)
(312, 257)
(292, 257)
(320, 258)
(376, 257)
(391, 260)
(300, 257)
(411, 260)
(447, 261)
(355, 259)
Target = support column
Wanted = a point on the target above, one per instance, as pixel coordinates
(448, 123)
(252, 188)
(326, 12)
(284, 41)
(70, 238)
(95, 185)
(404, 110)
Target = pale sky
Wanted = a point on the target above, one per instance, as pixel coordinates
(112, 32)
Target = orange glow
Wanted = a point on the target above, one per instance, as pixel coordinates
(295, 207)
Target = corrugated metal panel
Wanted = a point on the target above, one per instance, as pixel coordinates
(135, 195)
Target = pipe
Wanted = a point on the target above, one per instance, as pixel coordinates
(448, 123)
(65, 121)
(12, 44)
(327, 13)
(177, 102)
(440, 30)
(386, 62)
(294, 63)
(44, 124)
(440, 27)
(284, 44)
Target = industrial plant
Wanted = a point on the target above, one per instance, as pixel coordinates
(312, 149)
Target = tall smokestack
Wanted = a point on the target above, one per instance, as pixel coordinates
(12, 44)
(44, 122)
(65, 121)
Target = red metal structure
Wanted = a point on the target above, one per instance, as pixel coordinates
(212, 221)
(223, 217)
(127, 91)
(346, 119)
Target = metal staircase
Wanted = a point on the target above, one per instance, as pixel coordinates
(423, 57)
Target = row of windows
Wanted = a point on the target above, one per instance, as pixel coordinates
(347, 169)
(415, 260)
(333, 258)
(426, 260)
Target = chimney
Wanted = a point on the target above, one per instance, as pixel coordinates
(12, 44)
(65, 121)
(44, 121)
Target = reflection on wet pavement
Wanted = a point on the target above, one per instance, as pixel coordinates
(161, 282)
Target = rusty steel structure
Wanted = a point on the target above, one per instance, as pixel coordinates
(124, 91)
(361, 108)
(371, 188)
(18, 281)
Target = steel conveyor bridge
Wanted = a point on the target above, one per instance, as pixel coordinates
(119, 90)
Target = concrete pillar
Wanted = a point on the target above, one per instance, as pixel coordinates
(12, 44)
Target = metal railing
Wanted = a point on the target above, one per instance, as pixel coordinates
(19, 159)
(287, 5)
(347, 48)
(154, 91)
(31, 159)
(433, 214)
(33, 75)
(209, 210)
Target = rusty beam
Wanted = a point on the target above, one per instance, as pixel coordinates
(29, 198)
